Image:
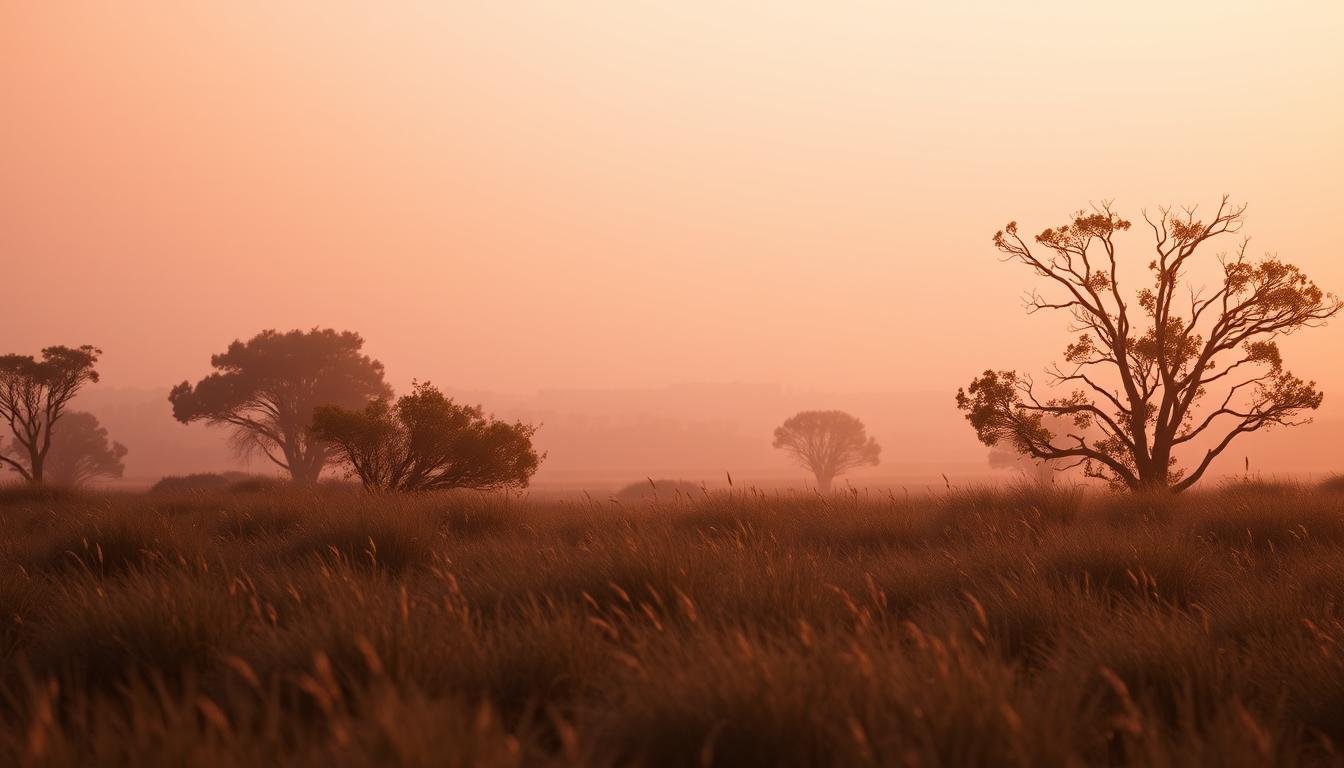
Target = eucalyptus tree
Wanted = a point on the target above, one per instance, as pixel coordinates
(1180, 365)
(266, 389)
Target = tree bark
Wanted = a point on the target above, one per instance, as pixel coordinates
(36, 463)
(824, 483)
(306, 469)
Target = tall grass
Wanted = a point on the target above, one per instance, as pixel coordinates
(1013, 627)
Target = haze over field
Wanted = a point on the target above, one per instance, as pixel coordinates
(607, 216)
(671, 382)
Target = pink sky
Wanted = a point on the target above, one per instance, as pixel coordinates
(613, 194)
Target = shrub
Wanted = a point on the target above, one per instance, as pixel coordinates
(664, 491)
(14, 494)
(200, 482)
(257, 485)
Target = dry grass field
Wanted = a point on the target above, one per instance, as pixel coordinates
(1010, 627)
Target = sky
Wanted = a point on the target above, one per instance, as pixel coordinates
(513, 197)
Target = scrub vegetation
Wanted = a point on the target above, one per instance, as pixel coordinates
(327, 626)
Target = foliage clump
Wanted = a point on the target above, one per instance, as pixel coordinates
(426, 442)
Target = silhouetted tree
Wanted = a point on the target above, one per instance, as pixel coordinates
(266, 390)
(1137, 377)
(33, 397)
(828, 443)
(426, 442)
(81, 452)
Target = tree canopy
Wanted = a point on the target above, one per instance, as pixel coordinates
(426, 442)
(81, 452)
(34, 394)
(1143, 364)
(827, 443)
(267, 388)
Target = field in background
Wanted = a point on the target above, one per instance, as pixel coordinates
(964, 627)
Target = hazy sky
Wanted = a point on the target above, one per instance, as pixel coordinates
(514, 196)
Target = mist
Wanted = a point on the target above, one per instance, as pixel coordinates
(658, 230)
(671, 383)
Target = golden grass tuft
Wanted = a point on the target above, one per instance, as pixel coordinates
(1025, 626)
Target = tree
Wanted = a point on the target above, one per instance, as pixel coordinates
(827, 443)
(267, 388)
(81, 452)
(426, 442)
(33, 397)
(1139, 377)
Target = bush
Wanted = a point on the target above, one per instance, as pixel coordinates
(646, 491)
(13, 494)
(258, 484)
(211, 482)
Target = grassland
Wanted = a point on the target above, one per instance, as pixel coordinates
(1012, 627)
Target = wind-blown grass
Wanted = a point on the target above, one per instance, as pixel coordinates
(1015, 627)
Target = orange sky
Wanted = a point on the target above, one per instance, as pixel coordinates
(506, 196)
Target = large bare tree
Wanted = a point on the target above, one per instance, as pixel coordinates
(34, 394)
(827, 443)
(1177, 363)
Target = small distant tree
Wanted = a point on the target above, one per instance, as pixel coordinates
(1032, 469)
(81, 452)
(426, 442)
(1036, 471)
(1139, 375)
(266, 389)
(34, 394)
(827, 443)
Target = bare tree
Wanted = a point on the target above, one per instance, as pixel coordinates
(827, 443)
(1140, 377)
(33, 397)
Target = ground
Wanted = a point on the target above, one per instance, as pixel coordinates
(970, 627)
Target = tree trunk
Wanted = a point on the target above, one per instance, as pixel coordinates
(304, 465)
(306, 472)
(36, 462)
(824, 483)
(1154, 481)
